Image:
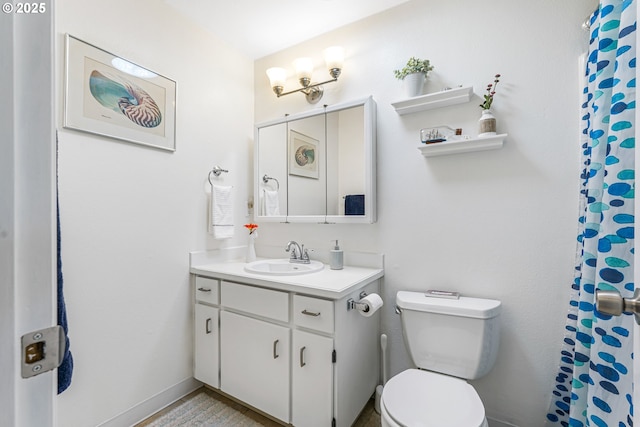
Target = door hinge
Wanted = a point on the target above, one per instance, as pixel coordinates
(42, 351)
(333, 356)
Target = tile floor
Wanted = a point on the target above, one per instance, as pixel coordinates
(368, 417)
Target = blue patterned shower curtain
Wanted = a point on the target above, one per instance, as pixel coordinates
(594, 381)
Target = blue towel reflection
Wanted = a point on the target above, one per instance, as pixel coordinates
(354, 204)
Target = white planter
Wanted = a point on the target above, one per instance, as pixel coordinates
(251, 249)
(487, 124)
(413, 84)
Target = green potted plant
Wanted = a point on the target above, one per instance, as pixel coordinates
(414, 75)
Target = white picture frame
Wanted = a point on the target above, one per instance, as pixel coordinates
(110, 96)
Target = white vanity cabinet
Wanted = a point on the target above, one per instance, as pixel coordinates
(290, 351)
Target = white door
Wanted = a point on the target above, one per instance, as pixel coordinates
(206, 365)
(312, 382)
(254, 363)
(27, 208)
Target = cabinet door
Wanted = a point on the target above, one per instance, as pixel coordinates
(206, 345)
(312, 384)
(254, 363)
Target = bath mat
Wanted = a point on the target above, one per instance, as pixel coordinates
(203, 410)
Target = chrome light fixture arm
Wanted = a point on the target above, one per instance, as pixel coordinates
(313, 92)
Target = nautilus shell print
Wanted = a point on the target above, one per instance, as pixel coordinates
(305, 155)
(122, 96)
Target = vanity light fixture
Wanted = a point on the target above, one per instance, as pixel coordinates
(333, 57)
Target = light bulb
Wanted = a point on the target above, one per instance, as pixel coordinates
(277, 76)
(304, 68)
(334, 57)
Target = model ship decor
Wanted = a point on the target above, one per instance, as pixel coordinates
(431, 136)
(440, 134)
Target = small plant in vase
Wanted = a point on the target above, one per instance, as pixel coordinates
(414, 75)
(487, 122)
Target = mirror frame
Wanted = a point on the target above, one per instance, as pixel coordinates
(369, 130)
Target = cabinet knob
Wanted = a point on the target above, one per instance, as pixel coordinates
(204, 289)
(207, 325)
(275, 349)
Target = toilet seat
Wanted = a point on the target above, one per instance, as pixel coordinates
(421, 398)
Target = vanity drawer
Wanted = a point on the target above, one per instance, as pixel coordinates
(254, 300)
(313, 313)
(207, 290)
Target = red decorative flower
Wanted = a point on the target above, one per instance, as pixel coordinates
(251, 227)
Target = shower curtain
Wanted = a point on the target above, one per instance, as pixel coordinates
(594, 380)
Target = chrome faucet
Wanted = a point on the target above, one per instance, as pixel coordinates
(299, 254)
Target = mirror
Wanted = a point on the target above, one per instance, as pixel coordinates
(317, 166)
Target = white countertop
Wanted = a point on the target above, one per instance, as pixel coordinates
(327, 283)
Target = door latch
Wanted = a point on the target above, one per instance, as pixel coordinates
(42, 351)
(612, 303)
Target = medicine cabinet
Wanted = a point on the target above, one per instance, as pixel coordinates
(317, 166)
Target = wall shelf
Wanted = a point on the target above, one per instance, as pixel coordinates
(441, 99)
(430, 101)
(463, 146)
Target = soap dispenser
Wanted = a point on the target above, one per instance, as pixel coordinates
(336, 258)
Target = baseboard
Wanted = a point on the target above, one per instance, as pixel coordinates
(152, 405)
(496, 423)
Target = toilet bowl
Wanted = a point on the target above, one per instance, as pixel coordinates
(450, 340)
(417, 398)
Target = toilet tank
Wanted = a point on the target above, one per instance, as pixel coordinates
(457, 337)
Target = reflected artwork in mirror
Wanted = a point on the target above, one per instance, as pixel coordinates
(320, 165)
(306, 187)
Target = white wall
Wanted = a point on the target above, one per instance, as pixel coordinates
(496, 224)
(131, 214)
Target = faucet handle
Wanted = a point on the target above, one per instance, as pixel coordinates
(293, 251)
(305, 254)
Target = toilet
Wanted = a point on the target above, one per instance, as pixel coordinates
(450, 340)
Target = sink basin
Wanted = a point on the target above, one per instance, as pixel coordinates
(282, 267)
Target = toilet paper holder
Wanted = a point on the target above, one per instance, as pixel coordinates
(351, 303)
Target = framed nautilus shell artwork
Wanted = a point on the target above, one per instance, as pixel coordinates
(110, 96)
(303, 155)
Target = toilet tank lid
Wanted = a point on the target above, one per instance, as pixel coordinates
(464, 306)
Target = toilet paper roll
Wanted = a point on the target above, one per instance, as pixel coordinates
(372, 303)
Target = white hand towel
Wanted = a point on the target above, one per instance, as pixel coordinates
(271, 203)
(221, 212)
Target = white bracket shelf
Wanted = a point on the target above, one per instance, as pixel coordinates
(463, 146)
(430, 101)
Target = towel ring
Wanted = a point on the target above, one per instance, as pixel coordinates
(266, 179)
(217, 170)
